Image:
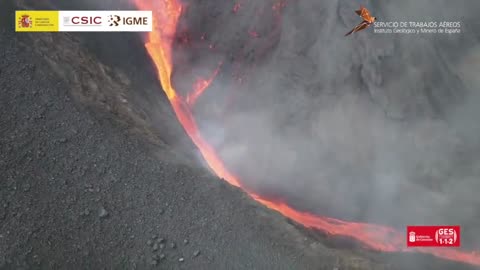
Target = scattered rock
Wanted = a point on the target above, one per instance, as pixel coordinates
(154, 262)
(185, 242)
(26, 187)
(181, 259)
(103, 212)
(149, 243)
(160, 240)
(162, 256)
(155, 247)
(161, 246)
(36, 259)
(173, 245)
(196, 253)
(88, 187)
(154, 237)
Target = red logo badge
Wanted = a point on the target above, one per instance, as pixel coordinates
(433, 236)
(25, 21)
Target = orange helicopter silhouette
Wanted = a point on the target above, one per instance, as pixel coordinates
(367, 20)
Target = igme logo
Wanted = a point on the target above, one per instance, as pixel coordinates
(116, 20)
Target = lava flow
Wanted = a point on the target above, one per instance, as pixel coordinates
(200, 86)
(159, 45)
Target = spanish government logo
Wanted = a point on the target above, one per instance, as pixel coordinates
(36, 21)
(25, 21)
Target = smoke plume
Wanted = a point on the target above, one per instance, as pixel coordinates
(378, 128)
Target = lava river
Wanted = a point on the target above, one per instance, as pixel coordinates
(159, 44)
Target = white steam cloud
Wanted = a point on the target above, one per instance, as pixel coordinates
(379, 128)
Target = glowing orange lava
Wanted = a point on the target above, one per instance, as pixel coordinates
(159, 45)
(200, 86)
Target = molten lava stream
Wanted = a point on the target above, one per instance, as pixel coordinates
(200, 86)
(159, 46)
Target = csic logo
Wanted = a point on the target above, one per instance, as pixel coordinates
(25, 21)
(82, 20)
(115, 20)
